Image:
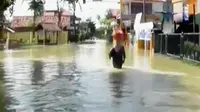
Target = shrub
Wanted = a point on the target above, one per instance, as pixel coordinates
(192, 49)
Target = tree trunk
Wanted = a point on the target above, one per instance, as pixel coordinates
(59, 20)
(74, 19)
(34, 22)
(1, 25)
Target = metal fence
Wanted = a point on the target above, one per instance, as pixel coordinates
(182, 45)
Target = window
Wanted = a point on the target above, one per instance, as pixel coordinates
(138, 7)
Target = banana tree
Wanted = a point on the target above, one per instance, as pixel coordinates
(37, 6)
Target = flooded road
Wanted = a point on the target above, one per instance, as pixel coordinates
(80, 78)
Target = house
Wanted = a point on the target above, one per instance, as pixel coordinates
(23, 25)
(5, 42)
(193, 10)
(193, 21)
(50, 26)
(132, 7)
(178, 8)
(47, 33)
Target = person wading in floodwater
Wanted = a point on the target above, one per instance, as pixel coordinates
(117, 53)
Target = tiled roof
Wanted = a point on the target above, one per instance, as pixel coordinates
(27, 21)
(23, 21)
(48, 27)
(23, 29)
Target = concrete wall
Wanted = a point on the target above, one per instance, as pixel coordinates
(198, 6)
(24, 36)
(157, 7)
(63, 37)
(178, 7)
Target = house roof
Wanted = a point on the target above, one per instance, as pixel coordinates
(66, 28)
(23, 29)
(9, 30)
(49, 16)
(65, 12)
(48, 27)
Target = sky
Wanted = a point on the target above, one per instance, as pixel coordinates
(90, 9)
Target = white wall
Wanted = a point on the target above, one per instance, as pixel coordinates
(126, 9)
(178, 7)
(198, 6)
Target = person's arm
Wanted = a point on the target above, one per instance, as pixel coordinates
(110, 54)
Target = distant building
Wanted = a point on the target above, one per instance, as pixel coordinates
(132, 7)
(193, 11)
(153, 9)
(178, 8)
(48, 22)
(49, 16)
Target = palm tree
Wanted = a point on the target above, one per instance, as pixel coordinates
(37, 6)
(59, 11)
(73, 4)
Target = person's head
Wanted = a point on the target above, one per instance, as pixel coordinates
(116, 27)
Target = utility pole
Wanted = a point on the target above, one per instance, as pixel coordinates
(144, 15)
(121, 12)
(193, 6)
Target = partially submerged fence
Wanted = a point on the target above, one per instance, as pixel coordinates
(183, 45)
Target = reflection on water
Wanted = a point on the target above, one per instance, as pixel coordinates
(37, 74)
(117, 81)
(80, 78)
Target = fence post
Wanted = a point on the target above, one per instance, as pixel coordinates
(166, 42)
(161, 43)
(182, 45)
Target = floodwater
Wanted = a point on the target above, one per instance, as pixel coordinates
(80, 78)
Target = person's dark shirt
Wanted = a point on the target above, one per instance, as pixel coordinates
(118, 57)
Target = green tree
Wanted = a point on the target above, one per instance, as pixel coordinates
(106, 25)
(92, 28)
(109, 14)
(106, 21)
(4, 5)
(37, 6)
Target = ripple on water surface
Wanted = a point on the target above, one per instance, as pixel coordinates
(80, 85)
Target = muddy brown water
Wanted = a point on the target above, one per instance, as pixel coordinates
(80, 78)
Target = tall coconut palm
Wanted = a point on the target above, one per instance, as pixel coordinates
(59, 13)
(73, 4)
(37, 6)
